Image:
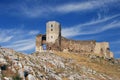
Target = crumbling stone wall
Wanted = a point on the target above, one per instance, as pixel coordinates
(54, 41)
(40, 40)
(89, 47)
(77, 46)
(111, 55)
(103, 49)
(54, 46)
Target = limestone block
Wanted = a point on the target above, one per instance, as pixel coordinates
(31, 77)
(111, 55)
(102, 48)
(3, 61)
(21, 73)
(65, 50)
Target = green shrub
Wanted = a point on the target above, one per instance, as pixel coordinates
(17, 77)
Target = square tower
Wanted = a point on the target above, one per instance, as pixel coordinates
(53, 31)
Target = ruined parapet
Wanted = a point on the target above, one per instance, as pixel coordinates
(54, 46)
(53, 31)
(54, 41)
(39, 43)
(77, 45)
(102, 48)
(111, 55)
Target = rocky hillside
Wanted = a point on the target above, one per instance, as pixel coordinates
(56, 66)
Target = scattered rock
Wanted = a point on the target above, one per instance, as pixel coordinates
(31, 77)
(49, 66)
(21, 73)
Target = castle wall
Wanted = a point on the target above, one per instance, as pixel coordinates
(40, 40)
(111, 55)
(54, 41)
(103, 49)
(77, 46)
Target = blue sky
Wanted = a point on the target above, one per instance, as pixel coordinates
(22, 20)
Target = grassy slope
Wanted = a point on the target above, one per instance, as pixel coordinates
(101, 66)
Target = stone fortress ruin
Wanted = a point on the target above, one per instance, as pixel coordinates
(53, 41)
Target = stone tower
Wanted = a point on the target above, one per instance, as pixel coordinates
(53, 32)
(53, 41)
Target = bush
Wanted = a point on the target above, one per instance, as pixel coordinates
(17, 77)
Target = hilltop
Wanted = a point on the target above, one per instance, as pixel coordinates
(53, 40)
(56, 66)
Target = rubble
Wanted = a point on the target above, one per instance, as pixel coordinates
(48, 66)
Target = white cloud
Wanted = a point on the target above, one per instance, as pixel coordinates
(74, 7)
(99, 20)
(92, 27)
(40, 11)
(83, 6)
(117, 52)
(115, 42)
(70, 32)
(5, 35)
(71, 7)
(32, 12)
(23, 45)
(34, 32)
(26, 47)
(22, 41)
(5, 38)
(18, 39)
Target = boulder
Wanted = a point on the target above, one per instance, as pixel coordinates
(55, 76)
(21, 74)
(3, 61)
(75, 77)
(6, 78)
(31, 77)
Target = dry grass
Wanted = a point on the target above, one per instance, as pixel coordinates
(49, 64)
(64, 78)
(76, 57)
(101, 67)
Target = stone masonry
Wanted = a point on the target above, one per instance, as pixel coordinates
(53, 40)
